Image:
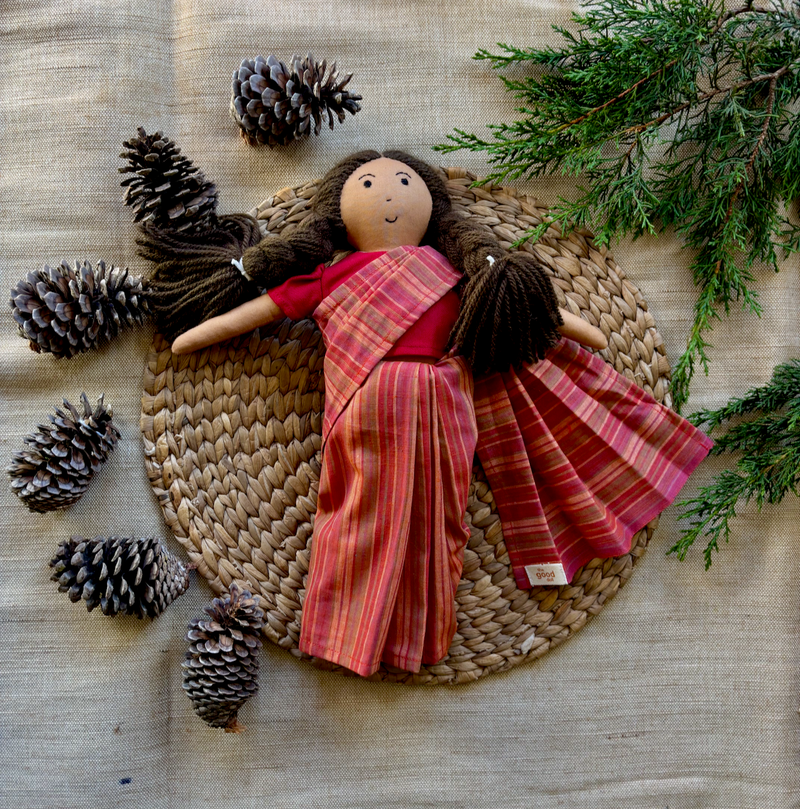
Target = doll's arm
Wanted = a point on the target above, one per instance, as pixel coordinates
(244, 318)
(580, 331)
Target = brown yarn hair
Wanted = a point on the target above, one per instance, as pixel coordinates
(508, 315)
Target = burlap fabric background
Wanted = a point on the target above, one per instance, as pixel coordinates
(683, 693)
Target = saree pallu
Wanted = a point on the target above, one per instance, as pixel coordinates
(579, 458)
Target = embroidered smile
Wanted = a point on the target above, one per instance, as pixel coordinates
(391, 221)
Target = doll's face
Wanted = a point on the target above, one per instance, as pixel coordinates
(385, 204)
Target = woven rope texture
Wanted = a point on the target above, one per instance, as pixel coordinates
(232, 450)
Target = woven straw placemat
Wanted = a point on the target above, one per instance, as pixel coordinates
(232, 449)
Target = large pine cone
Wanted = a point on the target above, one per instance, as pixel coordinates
(221, 668)
(120, 574)
(166, 190)
(66, 311)
(61, 458)
(276, 104)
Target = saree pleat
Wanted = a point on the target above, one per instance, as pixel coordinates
(389, 534)
(579, 458)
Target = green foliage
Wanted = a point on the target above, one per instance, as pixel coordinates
(678, 114)
(769, 465)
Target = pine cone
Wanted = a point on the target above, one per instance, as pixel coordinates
(62, 457)
(276, 104)
(67, 311)
(166, 190)
(120, 574)
(221, 670)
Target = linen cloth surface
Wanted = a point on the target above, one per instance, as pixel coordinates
(683, 692)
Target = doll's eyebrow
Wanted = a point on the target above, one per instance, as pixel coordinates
(366, 175)
(403, 172)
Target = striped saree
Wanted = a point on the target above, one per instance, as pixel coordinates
(399, 439)
(578, 457)
(389, 534)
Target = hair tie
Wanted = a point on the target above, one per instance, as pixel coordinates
(239, 264)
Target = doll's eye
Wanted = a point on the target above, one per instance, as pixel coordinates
(404, 180)
(367, 183)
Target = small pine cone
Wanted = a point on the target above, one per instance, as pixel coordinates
(276, 104)
(66, 311)
(60, 460)
(120, 574)
(221, 668)
(166, 189)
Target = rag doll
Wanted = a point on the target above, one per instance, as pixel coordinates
(438, 343)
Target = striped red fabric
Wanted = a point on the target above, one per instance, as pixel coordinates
(389, 534)
(399, 440)
(578, 457)
(365, 316)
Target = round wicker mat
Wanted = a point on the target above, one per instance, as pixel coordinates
(232, 449)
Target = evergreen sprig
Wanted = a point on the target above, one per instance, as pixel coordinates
(680, 114)
(769, 466)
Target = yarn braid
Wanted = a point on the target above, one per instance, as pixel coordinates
(509, 311)
(192, 277)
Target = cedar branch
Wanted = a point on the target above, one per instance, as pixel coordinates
(720, 22)
(726, 133)
(703, 97)
(751, 162)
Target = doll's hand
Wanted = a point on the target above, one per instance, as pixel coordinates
(580, 331)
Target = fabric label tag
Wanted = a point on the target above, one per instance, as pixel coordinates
(546, 574)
